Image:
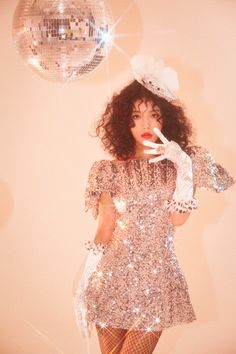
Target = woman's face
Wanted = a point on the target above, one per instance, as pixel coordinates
(145, 116)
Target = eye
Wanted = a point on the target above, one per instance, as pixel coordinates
(157, 115)
(135, 116)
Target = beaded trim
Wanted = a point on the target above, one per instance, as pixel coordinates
(182, 206)
(96, 247)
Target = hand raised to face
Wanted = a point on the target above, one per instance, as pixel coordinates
(168, 150)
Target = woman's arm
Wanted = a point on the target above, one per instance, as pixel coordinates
(178, 219)
(103, 235)
(106, 219)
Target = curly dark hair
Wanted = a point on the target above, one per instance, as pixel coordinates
(113, 128)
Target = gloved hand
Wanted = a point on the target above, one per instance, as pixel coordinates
(96, 251)
(183, 199)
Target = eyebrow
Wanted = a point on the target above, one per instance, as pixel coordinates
(154, 110)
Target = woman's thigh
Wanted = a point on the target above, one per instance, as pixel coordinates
(140, 342)
(111, 339)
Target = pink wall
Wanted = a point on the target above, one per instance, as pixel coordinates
(45, 155)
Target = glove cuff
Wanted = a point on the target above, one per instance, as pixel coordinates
(182, 206)
(96, 248)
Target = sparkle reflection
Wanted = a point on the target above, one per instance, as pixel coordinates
(42, 335)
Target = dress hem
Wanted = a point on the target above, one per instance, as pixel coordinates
(174, 324)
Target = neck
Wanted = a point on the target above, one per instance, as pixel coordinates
(139, 152)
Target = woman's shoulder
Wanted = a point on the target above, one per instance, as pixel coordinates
(108, 161)
(201, 157)
(196, 150)
(100, 164)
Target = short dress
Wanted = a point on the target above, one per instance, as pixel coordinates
(138, 283)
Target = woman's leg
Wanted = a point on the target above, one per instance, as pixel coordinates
(111, 339)
(140, 342)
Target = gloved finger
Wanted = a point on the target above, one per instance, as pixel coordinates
(151, 144)
(153, 151)
(160, 135)
(84, 326)
(85, 331)
(156, 159)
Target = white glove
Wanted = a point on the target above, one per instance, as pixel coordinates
(95, 254)
(183, 199)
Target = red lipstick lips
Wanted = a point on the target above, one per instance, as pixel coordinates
(146, 135)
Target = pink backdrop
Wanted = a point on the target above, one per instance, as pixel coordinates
(45, 155)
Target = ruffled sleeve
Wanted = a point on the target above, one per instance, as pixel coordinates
(99, 180)
(207, 173)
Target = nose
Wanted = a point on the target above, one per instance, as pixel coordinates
(146, 123)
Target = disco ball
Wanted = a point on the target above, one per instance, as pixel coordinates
(62, 40)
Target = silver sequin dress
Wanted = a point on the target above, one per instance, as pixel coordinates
(139, 284)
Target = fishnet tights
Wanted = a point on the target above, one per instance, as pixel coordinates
(122, 341)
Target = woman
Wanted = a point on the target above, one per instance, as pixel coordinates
(132, 286)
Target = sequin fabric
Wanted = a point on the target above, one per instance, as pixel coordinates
(138, 283)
